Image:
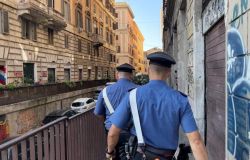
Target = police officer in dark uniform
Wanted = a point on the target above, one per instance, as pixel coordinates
(158, 111)
(110, 98)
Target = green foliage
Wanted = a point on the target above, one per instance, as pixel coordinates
(11, 86)
(70, 84)
(2, 87)
(81, 83)
(141, 79)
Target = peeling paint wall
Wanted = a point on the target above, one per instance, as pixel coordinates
(238, 79)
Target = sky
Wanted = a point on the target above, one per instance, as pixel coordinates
(147, 17)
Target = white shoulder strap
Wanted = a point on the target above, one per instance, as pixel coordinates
(136, 118)
(107, 102)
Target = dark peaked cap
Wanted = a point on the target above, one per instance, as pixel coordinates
(161, 59)
(125, 68)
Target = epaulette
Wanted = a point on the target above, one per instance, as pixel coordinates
(183, 94)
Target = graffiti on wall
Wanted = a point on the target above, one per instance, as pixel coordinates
(239, 9)
(213, 12)
(4, 128)
(238, 85)
(2, 75)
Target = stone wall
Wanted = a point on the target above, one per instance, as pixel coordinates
(27, 115)
(185, 42)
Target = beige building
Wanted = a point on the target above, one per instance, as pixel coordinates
(50, 41)
(129, 39)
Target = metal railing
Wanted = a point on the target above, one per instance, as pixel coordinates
(81, 137)
(33, 92)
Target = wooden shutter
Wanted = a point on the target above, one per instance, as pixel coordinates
(5, 22)
(23, 25)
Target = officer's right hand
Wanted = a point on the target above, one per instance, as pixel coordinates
(110, 156)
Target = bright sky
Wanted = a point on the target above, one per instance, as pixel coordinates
(147, 17)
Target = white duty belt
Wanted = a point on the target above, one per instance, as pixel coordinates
(136, 118)
(107, 102)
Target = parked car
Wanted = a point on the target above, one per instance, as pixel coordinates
(109, 83)
(58, 114)
(97, 92)
(83, 104)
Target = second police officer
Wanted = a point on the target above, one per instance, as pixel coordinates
(111, 96)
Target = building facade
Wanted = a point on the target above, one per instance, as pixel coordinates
(129, 38)
(49, 41)
(210, 41)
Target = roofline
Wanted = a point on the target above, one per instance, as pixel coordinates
(125, 4)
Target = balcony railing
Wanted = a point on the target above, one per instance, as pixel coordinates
(34, 92)
(98, 40)
(41, 13)
(78, 138)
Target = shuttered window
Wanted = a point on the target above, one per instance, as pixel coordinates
(66, 10)
(79, 45)
(4, 22)
(88, 24)
(79, 18)
(28, 29)
(50, 36)
(66, 41)
(51, 3)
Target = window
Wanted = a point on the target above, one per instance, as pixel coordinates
(50, 36)
(80, 74)
(95, 27)
(28, 73)
(100, 14)
(117, 37)
(94, 8)
(101, 30)
(107, 20)
(88, 24)
(88, 49)
(90, 101)
(96, 52)
(88, 3)
(79, 18)
(66, 9)
(107, 36)
(51, 3)
(51, 75)
(96, 72)
(89, 73)
(118, 49)
(28, 29)
(79, 45)
(4, 22)
(67, 74)
(111, 38)
(66, 41)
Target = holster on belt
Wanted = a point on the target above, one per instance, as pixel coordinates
(159, 153)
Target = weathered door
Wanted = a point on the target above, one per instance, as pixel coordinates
(28, 72)
(215, 91)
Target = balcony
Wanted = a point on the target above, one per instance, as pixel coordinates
(40, 13)
(98, 40)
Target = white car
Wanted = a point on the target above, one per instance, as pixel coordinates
(83, 104)
(109, 83)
